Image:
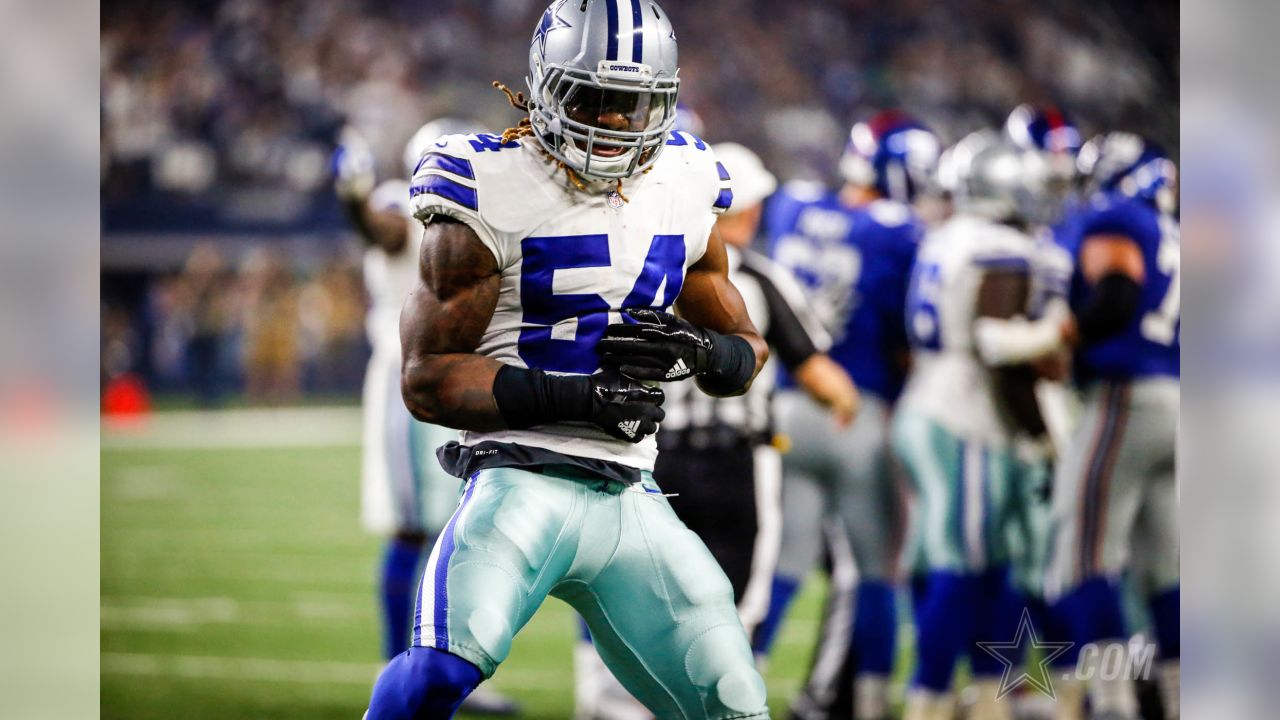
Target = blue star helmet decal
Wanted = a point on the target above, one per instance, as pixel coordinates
(551, 20)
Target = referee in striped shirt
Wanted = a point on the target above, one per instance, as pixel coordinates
(718, 457)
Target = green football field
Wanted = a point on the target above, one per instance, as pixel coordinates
(237, 583)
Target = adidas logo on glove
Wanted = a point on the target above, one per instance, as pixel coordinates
(629, 427)
(678, 369)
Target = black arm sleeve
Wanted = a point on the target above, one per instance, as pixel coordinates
(531, 397)
(1110, 308)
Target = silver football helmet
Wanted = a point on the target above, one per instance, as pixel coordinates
(602, 84)
(990, 176)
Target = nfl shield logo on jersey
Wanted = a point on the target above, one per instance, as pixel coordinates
(615, 200)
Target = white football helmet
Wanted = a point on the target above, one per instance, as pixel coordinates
(429, 133)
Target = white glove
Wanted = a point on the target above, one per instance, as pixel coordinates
(353, 166)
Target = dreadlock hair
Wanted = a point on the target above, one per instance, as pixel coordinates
(524, 128)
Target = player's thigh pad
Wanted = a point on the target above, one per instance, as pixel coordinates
(510, 540)
(662, 615)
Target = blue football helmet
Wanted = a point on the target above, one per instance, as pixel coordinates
(1047, 132)
(1131, 165)
(893, 153)
(1044, 128)
(603, 84)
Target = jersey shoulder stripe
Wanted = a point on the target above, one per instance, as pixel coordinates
(447, 188)
(456, 165)
(724, 200)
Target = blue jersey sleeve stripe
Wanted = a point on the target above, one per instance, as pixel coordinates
(448, 163)
(724, 200)
(724, 174)
(448, 189)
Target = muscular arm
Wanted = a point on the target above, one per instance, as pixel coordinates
(441, 325)
(1003, 295)
(383, 229)
(710, 301)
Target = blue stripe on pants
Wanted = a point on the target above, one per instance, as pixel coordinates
(442, 569)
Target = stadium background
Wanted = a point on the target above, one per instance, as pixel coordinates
(236, 582)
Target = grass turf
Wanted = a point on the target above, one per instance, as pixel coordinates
(237, 583)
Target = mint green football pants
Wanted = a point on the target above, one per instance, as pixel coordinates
(659, 608)
(965, 496)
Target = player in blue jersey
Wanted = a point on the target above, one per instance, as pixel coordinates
(1115, 490)
(852, 249)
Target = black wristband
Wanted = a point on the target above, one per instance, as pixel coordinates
(731, 365)
(1110, 308)
(531, 397)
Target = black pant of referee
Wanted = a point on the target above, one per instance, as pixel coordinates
(711, 474)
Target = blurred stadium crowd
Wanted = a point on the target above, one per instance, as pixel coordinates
(219, 117)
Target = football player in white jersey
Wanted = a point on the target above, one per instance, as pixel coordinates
(969, 396)
(405, 495)
(551, 252)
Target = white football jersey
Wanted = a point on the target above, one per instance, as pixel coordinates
(390, 278)
(948, 382)
(572, 260)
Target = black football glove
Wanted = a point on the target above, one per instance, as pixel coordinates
(656, 346)
(624, 408)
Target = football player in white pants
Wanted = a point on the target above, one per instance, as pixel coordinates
(970, 396)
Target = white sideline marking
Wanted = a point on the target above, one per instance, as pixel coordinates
(238, 428)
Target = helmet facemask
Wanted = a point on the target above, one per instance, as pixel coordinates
(608, 124)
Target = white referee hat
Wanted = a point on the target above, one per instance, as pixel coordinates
(750, 181)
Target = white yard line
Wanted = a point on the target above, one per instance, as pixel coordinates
(186, 614)
(307, 672)
(238, 428)
(311, 672)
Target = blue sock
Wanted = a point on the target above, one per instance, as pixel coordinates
(782, 592)
(875, 627)
(919, 587)
(422, 684)
(1000, 607)
(1094, 611)
(1058, 629)
(1166, 614)
(946, 627)
(399, 590)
